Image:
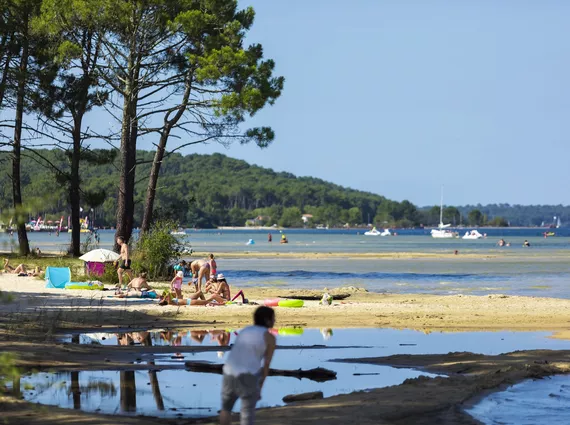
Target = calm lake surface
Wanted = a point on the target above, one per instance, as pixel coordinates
(170, 390)
(542, 270)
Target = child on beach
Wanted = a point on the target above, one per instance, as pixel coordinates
(213, 265)
(176, 284)
(247, 367)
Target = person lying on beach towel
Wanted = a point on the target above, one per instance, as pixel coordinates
(20, 270)
(167, 298)
(220, 289)
(137, 288)
(9, 269)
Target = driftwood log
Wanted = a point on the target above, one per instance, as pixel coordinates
(318, 297)
(292, 398)
(318, 374)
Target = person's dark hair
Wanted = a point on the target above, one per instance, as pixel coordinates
(120, 238)
(143, 275)
(264, 316)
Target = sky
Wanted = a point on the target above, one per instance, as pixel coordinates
(401, 97)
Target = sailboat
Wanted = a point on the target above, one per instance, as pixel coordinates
(442, 232)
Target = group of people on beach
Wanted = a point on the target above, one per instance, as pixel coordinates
(210, 287)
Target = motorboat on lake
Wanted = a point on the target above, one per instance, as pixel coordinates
(375, 232)
(473, 234)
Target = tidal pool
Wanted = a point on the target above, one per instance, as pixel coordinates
(168, 389)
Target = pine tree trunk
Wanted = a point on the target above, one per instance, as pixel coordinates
(159, 156)
(16, 159)
(129, 132)
(126, 191)
(74, 194)
(153, 181)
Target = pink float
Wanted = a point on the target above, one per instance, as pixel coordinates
(271, 302)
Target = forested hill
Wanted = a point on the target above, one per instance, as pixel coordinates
(204, 191)
(215, 190)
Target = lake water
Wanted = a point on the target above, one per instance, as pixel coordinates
(169, 390)
(532, 402)
(324, 241)
(542, 270)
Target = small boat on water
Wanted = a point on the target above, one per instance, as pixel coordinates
(178, 232)
(473, 234)
(375, 232)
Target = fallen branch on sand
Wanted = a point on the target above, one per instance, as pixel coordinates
(318, 297)
(318, 374)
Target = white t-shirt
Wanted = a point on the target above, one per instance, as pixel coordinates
(246, 355)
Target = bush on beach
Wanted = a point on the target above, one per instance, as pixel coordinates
(156, 250)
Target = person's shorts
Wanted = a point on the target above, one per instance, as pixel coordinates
(147, 294)
(177, 285)
(244, 386)
(125, 265)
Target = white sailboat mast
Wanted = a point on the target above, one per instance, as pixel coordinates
(441, 208)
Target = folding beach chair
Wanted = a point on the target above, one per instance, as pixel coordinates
(57, 277)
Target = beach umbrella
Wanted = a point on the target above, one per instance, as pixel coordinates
(100, 256)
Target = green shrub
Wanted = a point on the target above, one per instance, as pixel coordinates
(8, 370)
(156, 250)
(110, 275)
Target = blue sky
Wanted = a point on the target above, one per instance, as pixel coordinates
(398, 97)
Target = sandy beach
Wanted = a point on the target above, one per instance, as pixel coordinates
(360, 309)
(36, 315)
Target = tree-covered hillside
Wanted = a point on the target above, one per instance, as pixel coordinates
(207, 191)
(215, 190)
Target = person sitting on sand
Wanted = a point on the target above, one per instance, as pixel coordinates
(194, 299)
(138, 287)
(221, 290)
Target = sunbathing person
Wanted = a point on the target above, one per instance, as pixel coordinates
(221, 291)
(138, 288)
(21, 269)
(196, 298)
(198, 336)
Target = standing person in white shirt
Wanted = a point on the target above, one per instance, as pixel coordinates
(247, 367)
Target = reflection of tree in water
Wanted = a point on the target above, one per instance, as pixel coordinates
(58, 383)
(128, 391)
